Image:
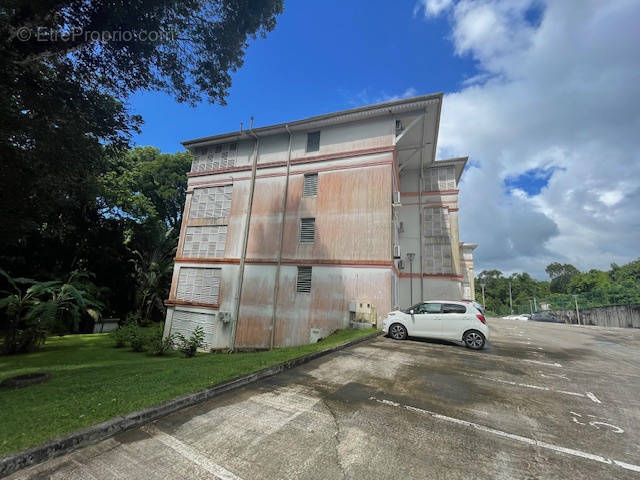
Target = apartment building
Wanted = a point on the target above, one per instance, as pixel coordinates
(292, 231)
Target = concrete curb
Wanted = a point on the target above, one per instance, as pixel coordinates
(96, 433)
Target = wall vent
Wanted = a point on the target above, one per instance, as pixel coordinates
(303, 282)
(310, 186)
(307, 230)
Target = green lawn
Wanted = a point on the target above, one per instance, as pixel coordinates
(92, 382)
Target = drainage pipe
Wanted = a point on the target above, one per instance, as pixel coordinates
(245, 240)
(283, 217)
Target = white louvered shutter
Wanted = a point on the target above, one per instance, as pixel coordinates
(307, 230)
(303, 283)
(310, 186)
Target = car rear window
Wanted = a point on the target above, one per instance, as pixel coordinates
(453, 308)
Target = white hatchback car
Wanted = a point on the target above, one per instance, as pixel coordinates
(455, 321)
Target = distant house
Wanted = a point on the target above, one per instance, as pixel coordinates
(290, 227)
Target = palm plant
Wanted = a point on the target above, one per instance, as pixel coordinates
(62, 305)
(153, 267)
(20, 333)
(44, 307)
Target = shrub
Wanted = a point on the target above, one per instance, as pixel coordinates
(158, 346)
(133, 318)
(121, 335)
(189, 346)
(136, 339)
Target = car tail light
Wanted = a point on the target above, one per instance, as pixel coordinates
(481, 318)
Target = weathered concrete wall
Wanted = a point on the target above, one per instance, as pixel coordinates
(370, 133)
(626, 316)
(325, 308)
(352, 212)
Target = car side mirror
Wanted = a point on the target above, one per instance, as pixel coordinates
(410, 312)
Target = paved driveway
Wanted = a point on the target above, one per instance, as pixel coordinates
(542, 401)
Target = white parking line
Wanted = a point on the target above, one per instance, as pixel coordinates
(188, 452)
(593, 397)
(511, 436)
(555, 364)
(535, 387)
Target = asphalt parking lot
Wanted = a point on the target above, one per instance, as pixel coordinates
(542, 401)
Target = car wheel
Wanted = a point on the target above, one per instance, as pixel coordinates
(397, 332)
(473, 339)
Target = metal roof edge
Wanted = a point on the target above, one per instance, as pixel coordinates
(341, 116)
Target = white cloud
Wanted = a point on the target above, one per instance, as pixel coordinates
(611, 198)
(561, 91)
(367, 97)
(431, 8)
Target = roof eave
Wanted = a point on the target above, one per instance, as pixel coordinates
(342, 116)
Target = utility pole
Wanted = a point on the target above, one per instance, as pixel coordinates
(531, 306)
(575, 299)
(535, 304)
(482, 285)
(410, 257)
(510, 299)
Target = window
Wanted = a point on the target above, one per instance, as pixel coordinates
(200, 285)
(310, 186)
(440, 178)
(430, 308)
(453, 308)
(215, 157)
(212, 202)
(205, 242)
(303, 282)
(437, 255)
(307, 230)
(313, 141)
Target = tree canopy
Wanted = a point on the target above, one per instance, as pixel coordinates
(68, 68)
(620, 285)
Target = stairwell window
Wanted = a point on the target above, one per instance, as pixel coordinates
(313, 141)
(307, 230)
(310, 186)
(215, 157)
(303, 282)
(199, 285)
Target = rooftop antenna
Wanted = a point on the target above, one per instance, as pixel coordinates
(240, 126)
(251, 123)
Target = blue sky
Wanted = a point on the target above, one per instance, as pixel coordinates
(321, 57)
(542, 95)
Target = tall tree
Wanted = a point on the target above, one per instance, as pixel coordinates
(68, 69)
(560, 274)
(146, 184)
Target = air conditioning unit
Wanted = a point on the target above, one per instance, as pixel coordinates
(400, 264)
(224, 317)
(396, 252)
